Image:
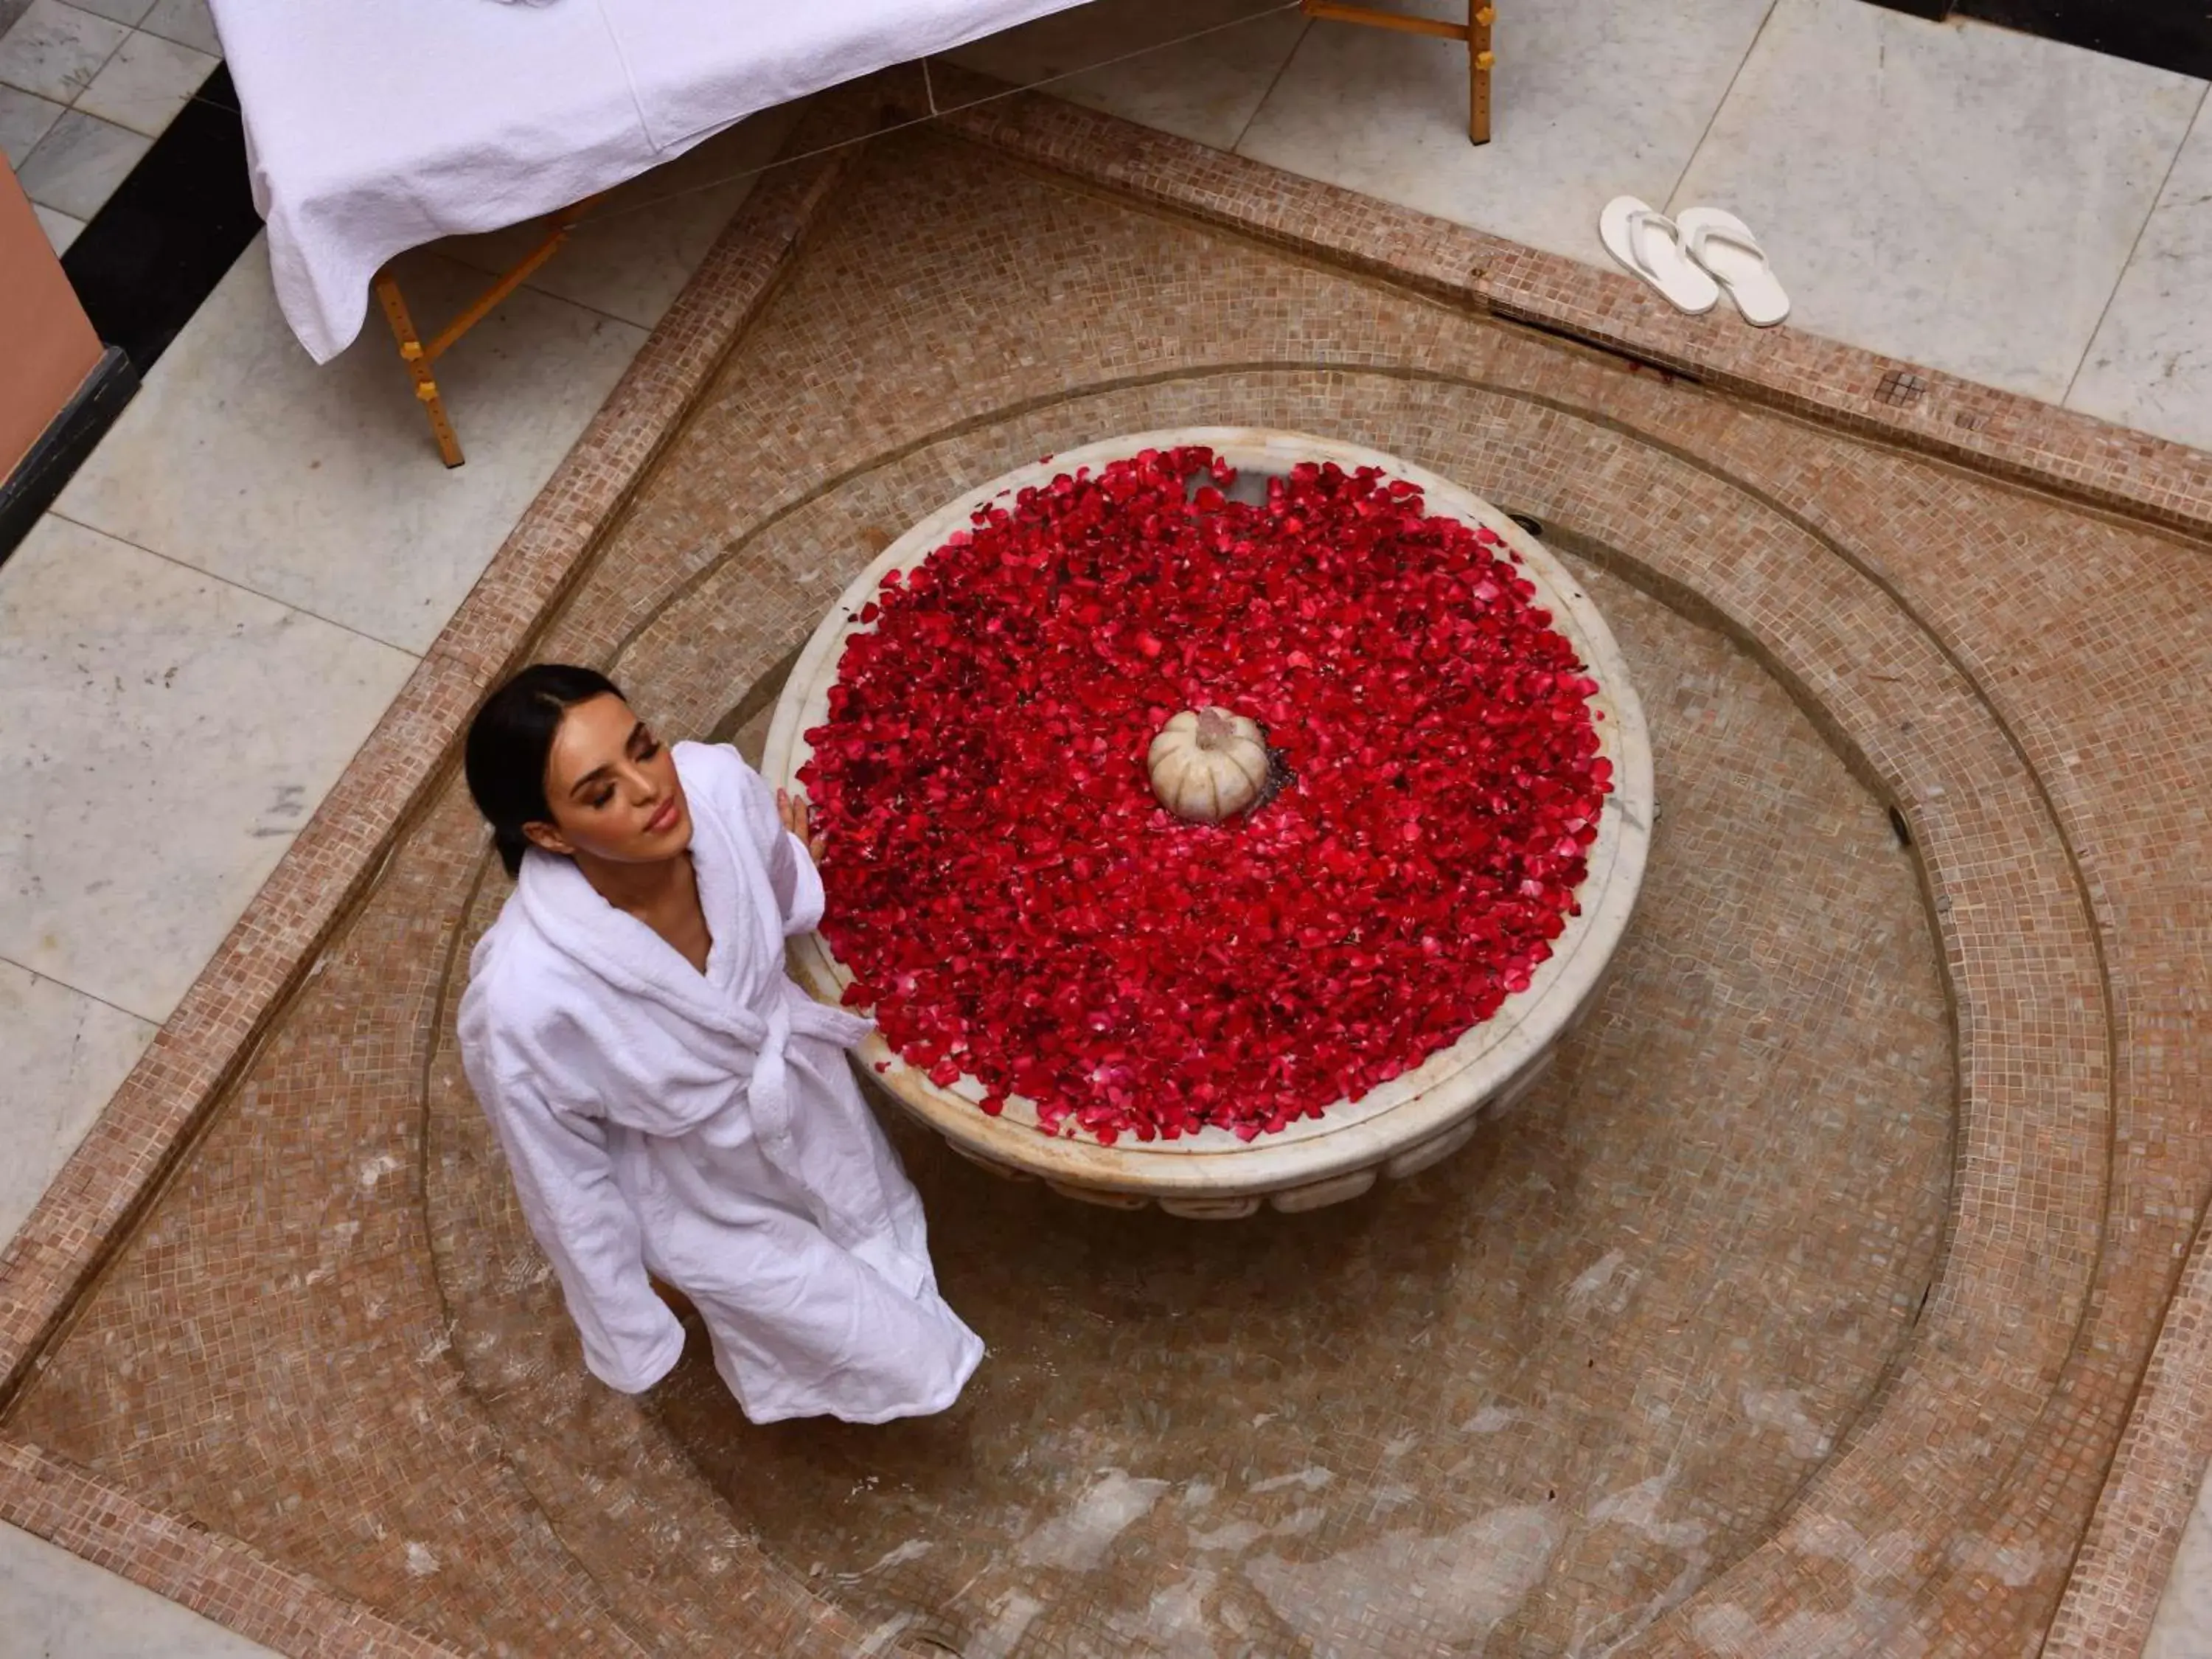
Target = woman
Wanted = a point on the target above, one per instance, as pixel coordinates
(670, 1103)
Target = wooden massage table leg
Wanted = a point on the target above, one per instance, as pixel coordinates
(419, 355)
(1481, 15)
(1476, 31)
(418, 365)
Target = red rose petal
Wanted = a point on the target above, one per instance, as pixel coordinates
(1016, 906)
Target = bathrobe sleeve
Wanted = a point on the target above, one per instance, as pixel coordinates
(565, 1178)
(791, 872)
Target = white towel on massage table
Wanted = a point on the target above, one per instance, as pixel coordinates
(373, 126)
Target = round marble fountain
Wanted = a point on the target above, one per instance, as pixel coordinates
(1405, 1125)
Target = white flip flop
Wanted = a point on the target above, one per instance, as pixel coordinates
(1648, 245)
(1724, 245)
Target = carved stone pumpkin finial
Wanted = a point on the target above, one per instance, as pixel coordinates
(1208, 764)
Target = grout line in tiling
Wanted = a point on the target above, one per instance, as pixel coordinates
(2065, 399)
(129, 30)
(476, 273)
(89, 996)
(1237, 145)
(628, 208)
(411, 654)
(1719, 104)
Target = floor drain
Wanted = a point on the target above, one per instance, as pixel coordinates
(1534, 527)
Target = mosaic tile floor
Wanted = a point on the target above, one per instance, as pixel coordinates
(1801, 1312)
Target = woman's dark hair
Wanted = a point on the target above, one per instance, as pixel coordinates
(509, 741)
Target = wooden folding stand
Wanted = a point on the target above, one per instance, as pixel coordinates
(418, 357)
(1481, 15)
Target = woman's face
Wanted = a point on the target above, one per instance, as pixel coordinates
(612, 788)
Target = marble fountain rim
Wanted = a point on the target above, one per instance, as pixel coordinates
(1433, 1099)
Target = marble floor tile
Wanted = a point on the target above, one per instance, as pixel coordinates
(318, 487)
(62, 1607)
(1954, 195)
(1589, 98)
(61, 229)
(66, 1055)
(2183, 1629)
(24, 117)
(1205, 89)
(55, 50)
(2149, 365)
(632, 258)
(168, 734)
(129, 12)
(145, 84)
(188, 23)
(78, 164)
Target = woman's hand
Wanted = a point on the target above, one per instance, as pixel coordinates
(799, 819)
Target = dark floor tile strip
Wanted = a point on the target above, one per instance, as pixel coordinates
(155, 251)
(144, 264)
(2168, 35)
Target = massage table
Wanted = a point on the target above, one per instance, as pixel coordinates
(375, 126)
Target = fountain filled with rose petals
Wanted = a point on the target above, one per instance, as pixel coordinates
(1047, 734)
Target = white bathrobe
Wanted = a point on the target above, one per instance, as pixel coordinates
(708, 1127)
